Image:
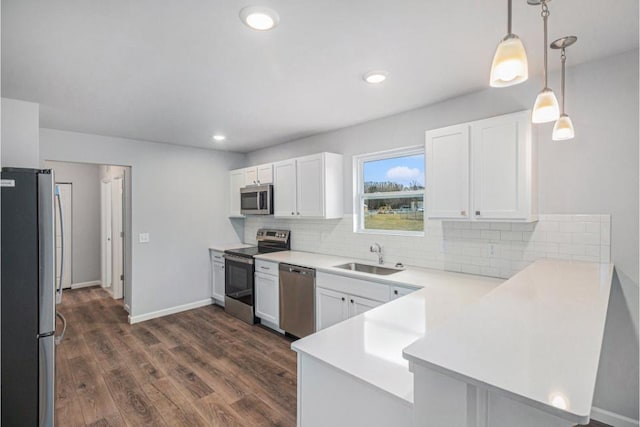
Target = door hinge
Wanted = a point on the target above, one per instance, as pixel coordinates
(122, 234)
(122, 277)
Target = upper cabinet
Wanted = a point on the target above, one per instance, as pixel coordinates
(259, 175)
(309, 187)
(236, 182)
(483, 170)
(304, 187)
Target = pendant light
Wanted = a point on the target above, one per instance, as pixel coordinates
(510, 65)
(546, 107)
(563, 128)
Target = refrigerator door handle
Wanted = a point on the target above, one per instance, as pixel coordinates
(60, 337)
(61, 216)
(46, 401)
(47, 253)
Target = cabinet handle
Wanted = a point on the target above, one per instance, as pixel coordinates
(264, 268)
(298, 213)
(477, 213)
(292, 213)
(395, 292)
(342, 298)
(463, 213)
(351, 301)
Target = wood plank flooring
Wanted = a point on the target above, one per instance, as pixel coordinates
(196, 368)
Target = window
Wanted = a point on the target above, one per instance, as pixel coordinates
(390, 192)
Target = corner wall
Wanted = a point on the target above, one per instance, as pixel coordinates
(179, 196)
(20, 133)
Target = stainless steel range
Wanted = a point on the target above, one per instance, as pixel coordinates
(240, 268)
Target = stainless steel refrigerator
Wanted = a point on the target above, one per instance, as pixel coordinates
(28, 292)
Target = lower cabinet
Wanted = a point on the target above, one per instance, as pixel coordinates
(267, 294)
(217, 277)
(400, 291)
(333, 307)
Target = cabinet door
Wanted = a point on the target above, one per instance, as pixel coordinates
(265, 174)
(331, 308)
(447, 187)
(267, 298)
(284, 188)
(236, 179)
(251, 176)
(399, 291)
(500, 158)
(358, 305)
(217, 287)
(310, 178)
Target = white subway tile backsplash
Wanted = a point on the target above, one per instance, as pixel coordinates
(498, 249)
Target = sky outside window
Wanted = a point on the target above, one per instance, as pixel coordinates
(405, 171)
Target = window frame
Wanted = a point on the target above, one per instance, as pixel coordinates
(359, 195)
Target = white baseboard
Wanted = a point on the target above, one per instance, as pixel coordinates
(86, 284)
(126, 308)
(612, 418)
(168, 311)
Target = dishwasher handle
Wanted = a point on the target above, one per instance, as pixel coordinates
(295, 269)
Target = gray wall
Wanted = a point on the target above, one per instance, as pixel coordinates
(179, 196)
(20, 133)
(596, 173)
(85, 248)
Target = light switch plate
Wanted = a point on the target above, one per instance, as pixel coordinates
(143, 237)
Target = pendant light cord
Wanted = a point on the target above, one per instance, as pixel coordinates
(545, 16)
(509, 18)
(564, 60)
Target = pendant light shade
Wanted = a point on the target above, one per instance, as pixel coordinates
(510, 65)
(546, 108)
(563, 129)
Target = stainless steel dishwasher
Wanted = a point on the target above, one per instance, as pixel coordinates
(297, 300)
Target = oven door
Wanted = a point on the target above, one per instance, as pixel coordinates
(238, 280)
(256, 200)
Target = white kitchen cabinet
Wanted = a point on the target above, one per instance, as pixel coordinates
(236, 182)
(482, 170)
(400, 291)
(267, 294)
(333, 307)
(447, 152)
(359, 305)
(217, 277)
(501, 163)
(284, 188)
(258, 175)
(309, 186)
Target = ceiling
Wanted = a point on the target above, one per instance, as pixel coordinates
(178, 71)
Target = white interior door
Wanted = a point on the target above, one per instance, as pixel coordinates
(66, 193)
(117, 240)
(105, 223)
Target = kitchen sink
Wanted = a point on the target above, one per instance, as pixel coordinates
(365, 268)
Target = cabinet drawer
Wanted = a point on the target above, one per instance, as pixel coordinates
(266, 267)
(356, 287)
(217, 256)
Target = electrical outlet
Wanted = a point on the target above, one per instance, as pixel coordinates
(492, 250)
(143, 237)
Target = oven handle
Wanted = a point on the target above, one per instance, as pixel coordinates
(242, 260)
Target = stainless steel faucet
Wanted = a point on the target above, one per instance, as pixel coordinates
(377, 249)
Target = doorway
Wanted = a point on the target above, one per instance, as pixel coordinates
(64, 226)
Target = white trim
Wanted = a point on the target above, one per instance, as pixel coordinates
(126, 308)
(167, 311)
(612, 418)
(86, 284)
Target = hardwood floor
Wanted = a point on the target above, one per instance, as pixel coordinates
(196, 368)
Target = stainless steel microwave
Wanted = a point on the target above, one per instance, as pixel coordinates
(256, 200)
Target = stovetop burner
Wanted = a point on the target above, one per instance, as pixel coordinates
(252, 251)
(268, 241)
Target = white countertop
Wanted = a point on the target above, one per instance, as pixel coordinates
(536, 338)
(221, 247)
(369, 346)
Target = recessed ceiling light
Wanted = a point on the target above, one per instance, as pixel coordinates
(259, 18)
(219, 138)
(375, 77)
